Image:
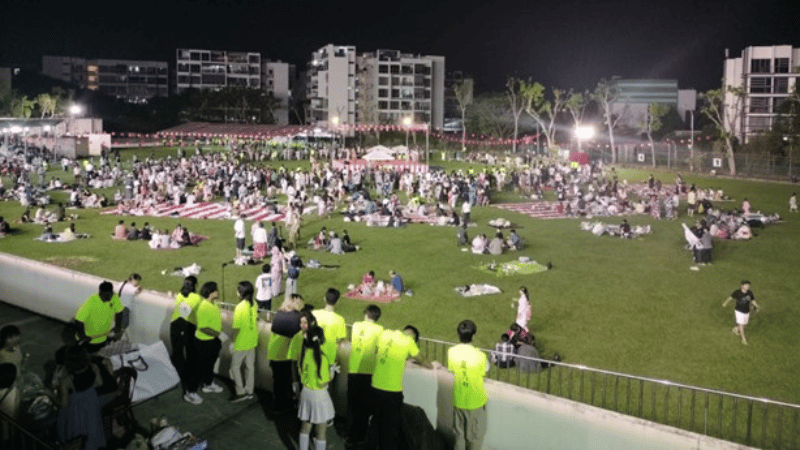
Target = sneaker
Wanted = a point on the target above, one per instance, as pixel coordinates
(212, 388)
(241, 398)
(193, 398)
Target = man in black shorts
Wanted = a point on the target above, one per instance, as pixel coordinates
(743, 297)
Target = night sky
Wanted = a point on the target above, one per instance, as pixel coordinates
(568, 44)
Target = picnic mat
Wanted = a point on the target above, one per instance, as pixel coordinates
(383, 298)
(473, 290)
(512, 268)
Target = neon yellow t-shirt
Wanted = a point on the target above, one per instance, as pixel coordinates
(296, 347)
(186, 307)
(308, 371)
(278, 347)
(393, 348)
(245, 320)
(333, 326)
(468, 365)
(98, 316)
(208, 316)
(363, 345)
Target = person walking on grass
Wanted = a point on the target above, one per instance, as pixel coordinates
(743, 298)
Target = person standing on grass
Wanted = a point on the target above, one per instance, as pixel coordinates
(238, 233)
(523, 305)
(743, 297)
(469, 366)
(264, 288)
(793, 202)
(245, 340)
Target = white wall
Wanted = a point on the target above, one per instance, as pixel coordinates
(518, 418)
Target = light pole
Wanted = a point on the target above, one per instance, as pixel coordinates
(335, 123)
(407, 125)
(691, 141)
(427, 143)
(583, 133)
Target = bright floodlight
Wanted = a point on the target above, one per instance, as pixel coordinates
(47, 128)
(585, 132)
(75, 110)
(335, 120)
(407, 121)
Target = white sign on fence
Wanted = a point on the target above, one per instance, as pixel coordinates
(717, 162)
(640, 157)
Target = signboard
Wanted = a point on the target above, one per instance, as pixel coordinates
(640, 157)
(717, 162)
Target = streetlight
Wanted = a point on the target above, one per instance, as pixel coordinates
(583, 133)
(407, 125)
(74, 110)
(335, 123)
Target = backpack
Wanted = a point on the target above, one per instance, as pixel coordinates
(293, 272)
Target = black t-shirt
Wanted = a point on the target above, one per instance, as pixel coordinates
(743, 300)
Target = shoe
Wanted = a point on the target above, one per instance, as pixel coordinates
(241, 398)
(212, 388)
(193, 398)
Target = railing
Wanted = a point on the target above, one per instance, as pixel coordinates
(16, 437)
(738, 418)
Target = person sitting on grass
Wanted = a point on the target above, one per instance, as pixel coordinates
(133, 232)
(367, 286)
(120, 232)
(479, 244)
(503, 354)
(496, 244)
(514, 242)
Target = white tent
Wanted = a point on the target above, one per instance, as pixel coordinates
(399, 149)
(379, 155)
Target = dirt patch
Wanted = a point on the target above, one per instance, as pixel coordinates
(70, 262)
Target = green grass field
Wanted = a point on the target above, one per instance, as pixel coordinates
(630, 306)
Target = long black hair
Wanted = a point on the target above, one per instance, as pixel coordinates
(131, 277)
(189, 285)
(208, 288)
(245, 290)
(313, 340)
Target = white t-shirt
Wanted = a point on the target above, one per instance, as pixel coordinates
(238, 229)
(128, 292)
(263, 287)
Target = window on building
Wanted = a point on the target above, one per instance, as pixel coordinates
(205, 56)
(194, 56)
(395, 93)
(760, 85)
(781, 85)
(383, 93)
(759, 105)
(183, 79)
(383, 105)
(394, 105)
(394, 68)
(758, 124)
(395, 81)
(777, 104)
(760, 66)
(383, 81)
(407, 69)
(781, 65)
(383, 68)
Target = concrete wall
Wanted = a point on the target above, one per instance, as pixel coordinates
(518, 418)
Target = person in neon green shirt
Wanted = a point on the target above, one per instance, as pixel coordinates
(245, 340)
(393, 349)
(363, 345)
(331, 323)
(207, 338)
(182, 327)
(98, 317)
(469, 366)
(315, 407)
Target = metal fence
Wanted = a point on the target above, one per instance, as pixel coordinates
(738, 418)
(675, 157)
(17, 437)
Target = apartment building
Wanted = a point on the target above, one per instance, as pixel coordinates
(393, 86)
(277, 79)
(331, 85)
(216, 69)
(131, 80)
(636, 96)
(767, 75)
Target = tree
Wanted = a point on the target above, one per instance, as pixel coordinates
(516, 101)
(463, 91)
(576, 105)
(488, 115)
(606, 94)
(542, 110)
(652, 123)
(724, 107)
(22, 107)
(47, 104)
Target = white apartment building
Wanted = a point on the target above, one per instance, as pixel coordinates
(216, 69)
(767, 76)
(331, 85)
(277, 78)
(69, 69)
(393, 86)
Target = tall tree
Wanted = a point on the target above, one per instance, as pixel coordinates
(489, 115)
(47, 104)
(542, 110)
(576, 105)
(22, 107)
(516, 101)
(724, 108)
(652, 123)
(463, 90)
(606, 94)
